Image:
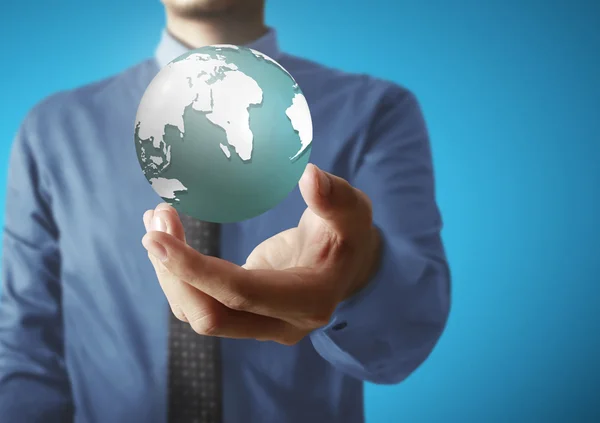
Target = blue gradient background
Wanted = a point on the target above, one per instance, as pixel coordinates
(511, 93)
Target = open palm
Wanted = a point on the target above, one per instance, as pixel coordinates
(290, 284)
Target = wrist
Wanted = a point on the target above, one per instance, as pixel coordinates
(370, 264)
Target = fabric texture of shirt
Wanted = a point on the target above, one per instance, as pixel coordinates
(83, 321)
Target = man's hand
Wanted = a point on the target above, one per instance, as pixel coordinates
(290, 284)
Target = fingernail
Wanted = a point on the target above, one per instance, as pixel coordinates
(154, 248)
(164, 206)
(158, 224)
(324, 183)
(148, 220)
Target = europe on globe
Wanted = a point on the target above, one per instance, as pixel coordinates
(223, 133)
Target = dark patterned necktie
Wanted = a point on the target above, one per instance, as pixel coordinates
(194, 360)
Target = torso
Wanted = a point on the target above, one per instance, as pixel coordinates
(114, 310)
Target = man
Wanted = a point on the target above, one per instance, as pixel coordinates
(345, 281)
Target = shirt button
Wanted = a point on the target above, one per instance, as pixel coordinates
(340, 326)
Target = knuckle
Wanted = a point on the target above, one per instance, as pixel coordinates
(178, 313)
(161, 270)
(332, 246)
(209, 323)
(238, 302)
(240, 298)
(188, 266)
(343, 245)
(165, 207)
(188, 259)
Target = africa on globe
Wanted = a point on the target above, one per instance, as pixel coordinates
(223, 133)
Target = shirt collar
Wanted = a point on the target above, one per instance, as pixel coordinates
(169, 48)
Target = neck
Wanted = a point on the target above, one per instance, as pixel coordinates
(230, 28)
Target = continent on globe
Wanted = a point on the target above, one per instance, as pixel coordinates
(231, 98)
(301, 122)
(208, 101)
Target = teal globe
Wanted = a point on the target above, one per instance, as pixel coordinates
(223, 133)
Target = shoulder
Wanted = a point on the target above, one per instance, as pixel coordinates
(354, 83)
(356, 103)
(363, 94)
(65, 108)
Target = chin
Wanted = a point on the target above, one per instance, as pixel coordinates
(201, 7)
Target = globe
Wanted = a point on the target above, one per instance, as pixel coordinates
(223, 133)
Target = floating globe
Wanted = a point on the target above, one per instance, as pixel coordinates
(223, 133)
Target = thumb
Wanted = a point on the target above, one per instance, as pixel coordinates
(345, 209)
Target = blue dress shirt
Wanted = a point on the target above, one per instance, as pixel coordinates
(83, 321)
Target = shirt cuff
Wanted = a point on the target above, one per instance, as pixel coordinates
(361, 331)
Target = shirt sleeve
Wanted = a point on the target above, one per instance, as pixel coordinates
(386, 330)
(34, 385)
